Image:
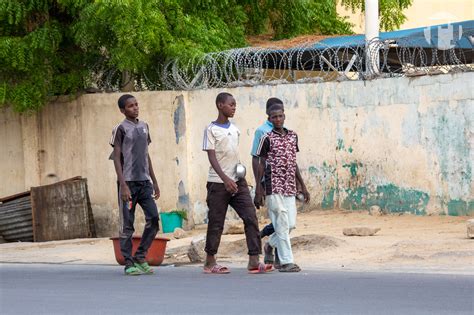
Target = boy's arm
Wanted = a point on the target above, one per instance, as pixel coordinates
(124, 190)
(262, 153)
(299, 180)
(229, 184)
(255, 159)
(258, 199)
(255, 164)
(153, 178)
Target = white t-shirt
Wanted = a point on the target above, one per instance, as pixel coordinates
(224, 139)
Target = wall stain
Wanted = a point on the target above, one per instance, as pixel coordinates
(340, 145)
(359, 194)
(389, 197)
(460, 207)
(328, 201)
(353, 166)
(447, 136)
(183, 197)
(179, 119)
(326, 177)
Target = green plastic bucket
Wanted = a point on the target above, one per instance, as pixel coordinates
(170, 221)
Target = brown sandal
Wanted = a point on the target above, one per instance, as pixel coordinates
(216, 269)
(290, 268)
(261, 268)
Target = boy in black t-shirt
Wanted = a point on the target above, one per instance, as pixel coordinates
(136, 182)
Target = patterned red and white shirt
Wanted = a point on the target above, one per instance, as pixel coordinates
(280, 170)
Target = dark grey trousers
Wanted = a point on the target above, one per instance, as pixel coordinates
(218, 199)
(142, 194)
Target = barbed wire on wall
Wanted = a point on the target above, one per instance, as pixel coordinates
(310, 62)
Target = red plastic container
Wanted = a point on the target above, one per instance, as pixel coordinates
(155, 255)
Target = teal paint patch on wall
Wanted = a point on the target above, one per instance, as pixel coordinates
(446, 132)
(388, 197)
(328, 200)
(326, 178)
(340, 144)
(356, 199)
(353, 166)
(460, 207)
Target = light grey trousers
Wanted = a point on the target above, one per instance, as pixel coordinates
(282, 212)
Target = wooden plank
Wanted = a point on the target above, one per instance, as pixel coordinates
(61, 211)
(34, 213)
(90, 215)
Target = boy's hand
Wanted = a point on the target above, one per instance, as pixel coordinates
(230, 185)
(157, 191)
(306, 195)
(258, 200)
(125, 192)
(298, 186)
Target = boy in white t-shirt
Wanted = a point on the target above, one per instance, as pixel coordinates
(221, 141)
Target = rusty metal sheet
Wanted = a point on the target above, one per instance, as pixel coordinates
(16, 218)
(62, 211)
(16, 196)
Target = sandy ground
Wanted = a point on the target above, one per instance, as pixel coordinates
(405, 243)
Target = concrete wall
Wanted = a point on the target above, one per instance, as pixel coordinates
(403, 144)
(11, 157)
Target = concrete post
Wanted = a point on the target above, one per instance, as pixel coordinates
(371, 34)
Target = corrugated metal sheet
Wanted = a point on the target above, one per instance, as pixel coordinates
(53, 212)
(16, 218)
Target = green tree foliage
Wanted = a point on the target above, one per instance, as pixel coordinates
(288, 18)
(50, 48)
(36, 53)
(135, 35)
(390, 11)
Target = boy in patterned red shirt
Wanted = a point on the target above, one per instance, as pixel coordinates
(277, 152)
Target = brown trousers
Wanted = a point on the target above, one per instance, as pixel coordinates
(218, 200)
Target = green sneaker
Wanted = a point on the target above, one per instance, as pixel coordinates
(144, 268)
(133, 271)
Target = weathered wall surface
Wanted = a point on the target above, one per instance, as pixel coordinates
(68, 139)
(405, 145)
(11, 157)
(100, 114)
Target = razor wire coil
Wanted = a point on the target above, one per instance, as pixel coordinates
(309, 62)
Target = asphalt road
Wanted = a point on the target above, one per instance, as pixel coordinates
(81, 289)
